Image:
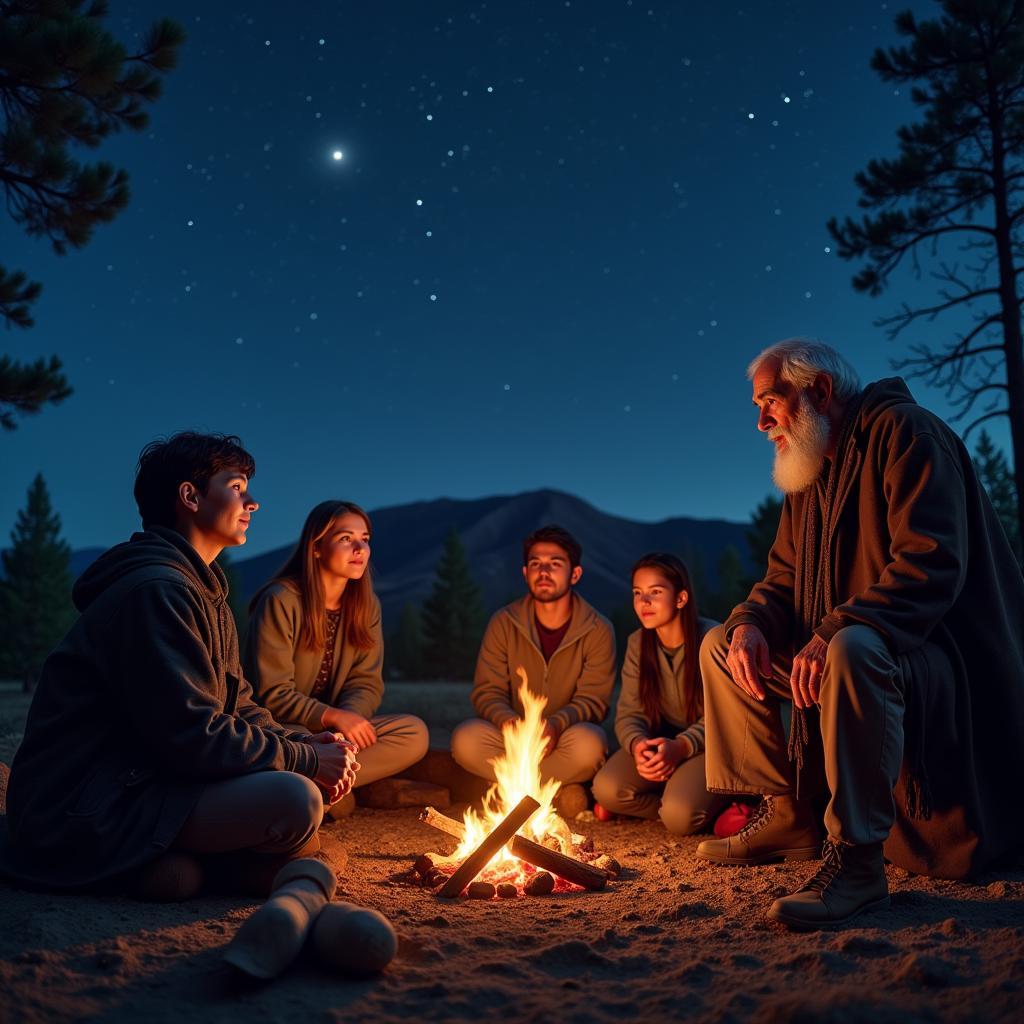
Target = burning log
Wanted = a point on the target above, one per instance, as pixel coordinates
(584, 875)
(499, 836)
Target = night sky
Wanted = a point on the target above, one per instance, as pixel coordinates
(556, 235)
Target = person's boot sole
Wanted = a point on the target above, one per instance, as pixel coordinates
(803, 925)
(798, 853)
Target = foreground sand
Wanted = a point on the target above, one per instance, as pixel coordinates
(674, 939)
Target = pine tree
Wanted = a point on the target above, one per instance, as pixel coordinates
(64, 81)
(732, 584)
(453, 617)
(952, 200)
(404, 652)
(764, 525)
(995, 473)
(35, 592)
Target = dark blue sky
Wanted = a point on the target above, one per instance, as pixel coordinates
(557, 234)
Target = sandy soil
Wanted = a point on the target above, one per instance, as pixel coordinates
(673, 939)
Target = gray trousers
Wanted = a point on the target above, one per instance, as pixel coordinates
(265, 812)
(579, 753)
(402, 740)
(683, 802)
(861, 710)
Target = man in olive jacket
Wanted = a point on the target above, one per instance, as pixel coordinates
(892, 612)
(568, 653)
(144, 748)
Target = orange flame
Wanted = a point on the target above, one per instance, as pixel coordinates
(518, 774)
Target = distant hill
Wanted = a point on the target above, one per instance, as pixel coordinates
(407, 543)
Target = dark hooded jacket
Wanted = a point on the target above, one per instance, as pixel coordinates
(140, 705)
(918, 554)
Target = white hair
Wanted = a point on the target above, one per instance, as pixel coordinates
(801, 360)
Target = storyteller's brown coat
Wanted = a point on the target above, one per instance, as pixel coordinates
(577, 681)
(919, 555)
(138, 707)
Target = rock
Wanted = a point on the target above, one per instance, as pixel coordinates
(609, 864)
(391, 794)
(354, 940)
(480, 891)
(344, 808)
(424, 865)
(507, 891)
(570, 800)
(540, 885)
(5, 774)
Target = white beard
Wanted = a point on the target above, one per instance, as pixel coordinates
(807, 440)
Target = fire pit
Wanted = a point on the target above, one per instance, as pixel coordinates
(548, 857)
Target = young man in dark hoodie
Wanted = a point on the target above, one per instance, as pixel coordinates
(144, 756)
(892, 615)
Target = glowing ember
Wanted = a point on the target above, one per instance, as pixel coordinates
(518, 775)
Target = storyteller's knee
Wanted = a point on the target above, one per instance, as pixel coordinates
(855, 649)
(714, 649)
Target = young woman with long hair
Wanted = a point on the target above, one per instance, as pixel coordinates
(658, 771)
(314, 650)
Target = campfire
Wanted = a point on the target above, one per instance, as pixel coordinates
(547, 855)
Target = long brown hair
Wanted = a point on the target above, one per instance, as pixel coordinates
(302, 573)
(675, 572)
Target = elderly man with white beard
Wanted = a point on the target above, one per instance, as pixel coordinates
(892, 616)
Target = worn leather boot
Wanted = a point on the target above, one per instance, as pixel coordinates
(851, 879)
(781, 829)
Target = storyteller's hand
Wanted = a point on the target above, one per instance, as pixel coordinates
(354, 726)
(805, 679)
(749, 659)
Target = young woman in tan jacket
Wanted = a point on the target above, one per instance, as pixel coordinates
(658, 771)
(314, 648)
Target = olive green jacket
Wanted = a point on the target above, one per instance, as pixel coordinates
(282, 669)
(577, 682)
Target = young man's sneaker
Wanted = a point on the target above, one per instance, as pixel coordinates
(733, 819)
(780, 829)
(851, 879)
(603, 814)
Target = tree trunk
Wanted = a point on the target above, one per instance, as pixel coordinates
(1013, 343)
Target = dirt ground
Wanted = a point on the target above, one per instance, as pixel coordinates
(673, 939)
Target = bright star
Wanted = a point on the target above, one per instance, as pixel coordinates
(337, 154)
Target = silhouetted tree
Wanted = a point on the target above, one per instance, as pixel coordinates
(65, 81)
(764, 525)
(732, 584)
(955, 192)
(404, 651)
(995, 473)
(453, 617)
(35, 592)
(624, 621)
(24, 388)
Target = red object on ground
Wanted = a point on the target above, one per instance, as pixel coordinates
(732, 819)
(602, 813)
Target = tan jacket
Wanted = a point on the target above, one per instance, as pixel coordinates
(631, 721)
(577, 682)
(282, 670)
